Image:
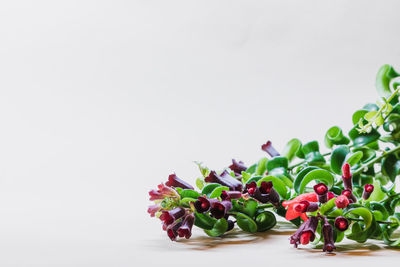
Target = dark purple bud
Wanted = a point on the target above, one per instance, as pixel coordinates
(226, 195)
(224, 179)
(305, 233)
(185, 230)
(341, 223)
(174, 181)
(219, 209)
(231, 224)
(347, 177)
(267, 147)
(169, 216)
(267, 188)
(305, 206)
(250, 188)
(327, 232)
(322, 191)
(238, 167)
(203, 204)
(368, 189)
(172, 230)
(263, 198)
(349, 194)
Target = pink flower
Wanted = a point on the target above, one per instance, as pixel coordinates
(291, 213)
(162, 192)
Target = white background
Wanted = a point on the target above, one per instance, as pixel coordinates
(101, 100)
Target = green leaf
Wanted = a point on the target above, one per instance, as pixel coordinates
(328, 206)
(261, 166)
(334, 136)
(359, 114)
(189, 193)
(186, 200)
(354, 157)
(291, 148)
(265, 221)
(385, 75)
(245, 177)
(338, 157)
(391, 167)
(199, 183)
(217, 191)
(218, 229)
(278, 167)
(300, 177)
(317, 174)
(360, 234)
(312, 154)
(209, 188)
(362, 139)
(252, 169)
(278, 184)
(245, 222)
(248, 207)
(377, 194)
(204, 221)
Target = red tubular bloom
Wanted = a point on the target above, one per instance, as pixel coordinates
(322, 191)
(341, 223)
(368, 189)
(305, 233)
(169, 216)
(291, 213)
(267, 147)
(341, 202)
(331, 195)
(185, 230)
(226, 195)
(305, 206)
(349, 194)
(172, 230)
(174, 181)
(219, 209)
(237, 167)
(327, 232)
(203, 204)
(162, 192)
(347, 177)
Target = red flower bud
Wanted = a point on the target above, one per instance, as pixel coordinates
(347, 177)
(226, 195)
(368, 189)
(322, 191)
(341, 223)
(349, 194)
(267, 147)
(341, 202)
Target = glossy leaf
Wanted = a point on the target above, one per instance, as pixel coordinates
(317, 174)
(391, 167)
(362, 139)
(291, 148)
(218, 229)
(261, 166)
(217, 191)
(189, 193)
(204, 221)
(245, 222)
(385, 75)
(361, 234)
(312, 154)
(265, 221)
(207, 190)
(248, 207)
(338, 157)
(335, 136)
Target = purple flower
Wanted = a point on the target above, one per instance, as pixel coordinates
(219, 209)
(305, 233)
(185, 230)
(227, 195)
(267, 147)
(162, 192)
(237, 167)
(224, 179)
(341, 223)
(174, 181)
(327, 232)
(322, 191)
(203, 204)
(368, 189)
(169, 216)
(172, 230)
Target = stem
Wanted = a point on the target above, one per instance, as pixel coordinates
(302, 162)
(361, 220)
(369, 164)
(263, 206)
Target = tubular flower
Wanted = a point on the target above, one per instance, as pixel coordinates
(267, 147)
(153, 209)
(291, 213)
(185, 230)
(174, 181)
(305, 206)
(227, 195)
(264, 193)
(349, 194)
(341, 223)
(220, 208)
(203, 204)
(368, 189)
(237, 167)
(224, 179)
(327, 232)
(305, 233)
(172, 230)
(322, 191)
(162, 192)
(347, 177)
(170, 216)
(341, 202)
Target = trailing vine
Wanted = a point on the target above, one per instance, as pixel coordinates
(348, 192)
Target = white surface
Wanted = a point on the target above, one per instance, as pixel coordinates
(101, 100)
